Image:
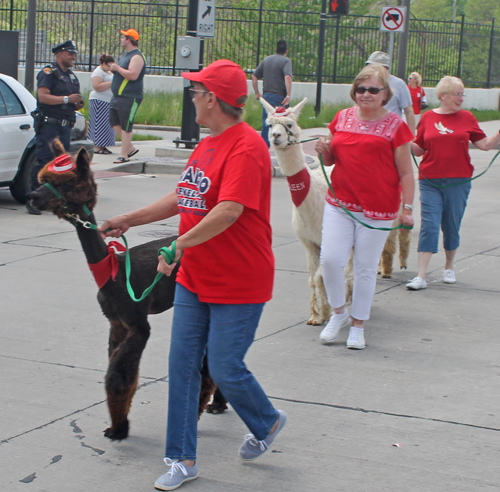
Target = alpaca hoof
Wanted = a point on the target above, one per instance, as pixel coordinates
(216, 408)
(386, 275)
(117, 434)
(315, 321)
(403, 267)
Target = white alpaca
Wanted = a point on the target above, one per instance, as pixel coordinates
(308, 189)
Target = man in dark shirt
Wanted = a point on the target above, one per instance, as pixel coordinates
(128, 92)
(276, 70)
(58, 96)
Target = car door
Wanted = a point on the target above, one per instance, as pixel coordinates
(16, 130)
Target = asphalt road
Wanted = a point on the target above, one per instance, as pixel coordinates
(428, 379)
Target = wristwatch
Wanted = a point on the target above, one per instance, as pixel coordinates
(408, 206)
(65, 99)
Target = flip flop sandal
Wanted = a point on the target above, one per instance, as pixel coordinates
(120, 160)
(133, 153)
(99, 151)
(105, 151)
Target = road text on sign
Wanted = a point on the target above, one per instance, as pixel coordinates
(392, 19)
(206, 19)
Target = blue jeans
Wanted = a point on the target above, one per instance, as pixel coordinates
(227, 331)
(275, 100)
(442, 208)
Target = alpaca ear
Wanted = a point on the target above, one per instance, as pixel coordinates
(297, 109)
(269, 109)
(57, 147)
(82, 163)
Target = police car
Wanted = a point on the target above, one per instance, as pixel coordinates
(17, 137)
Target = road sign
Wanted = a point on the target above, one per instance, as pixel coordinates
(206, 19)
(392, 19)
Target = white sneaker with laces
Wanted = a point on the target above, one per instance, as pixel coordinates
(331, 331)
(356, 338)
(416, 284)
(177, 475)
(449, 277)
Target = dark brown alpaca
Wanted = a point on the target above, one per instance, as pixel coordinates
(129, 330)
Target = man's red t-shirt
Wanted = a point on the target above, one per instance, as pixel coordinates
(445, 139)
(236, 266)
(365, 178)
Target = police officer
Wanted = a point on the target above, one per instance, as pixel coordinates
(58, 97)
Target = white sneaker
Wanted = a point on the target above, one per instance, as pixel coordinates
(416, 284)
(331, 331)
(356, 338)
(449, 277)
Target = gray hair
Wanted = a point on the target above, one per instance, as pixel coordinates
(447, 85)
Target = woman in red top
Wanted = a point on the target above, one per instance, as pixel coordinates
(370, 148)
(443, 139)
(417, 94)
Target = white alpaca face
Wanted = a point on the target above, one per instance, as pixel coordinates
(283, 131)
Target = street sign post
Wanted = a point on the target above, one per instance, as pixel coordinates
(206, 19)
(393, 19)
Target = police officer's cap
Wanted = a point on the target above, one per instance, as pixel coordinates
(66, 46)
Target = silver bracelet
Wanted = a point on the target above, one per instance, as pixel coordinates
(408, 206)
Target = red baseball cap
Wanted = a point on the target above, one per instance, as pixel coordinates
(132, 33)
(225, 79)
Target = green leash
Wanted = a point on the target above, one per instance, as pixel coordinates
(168, 252)
(468, 180)
(400, 226)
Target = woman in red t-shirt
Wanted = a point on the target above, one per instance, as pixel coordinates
(370, 148)
(443, 140)
(417, 94)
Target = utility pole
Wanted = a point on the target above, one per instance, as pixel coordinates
(403, 43)
(29, 72)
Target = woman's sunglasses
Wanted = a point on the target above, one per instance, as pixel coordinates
(371, 90)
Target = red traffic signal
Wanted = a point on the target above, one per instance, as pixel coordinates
(339, 7)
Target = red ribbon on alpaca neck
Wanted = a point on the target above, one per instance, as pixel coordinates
(299, 185)
(107, 268)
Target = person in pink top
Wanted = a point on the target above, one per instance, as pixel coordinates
(443, 140)
(417, 94)
(370, 147)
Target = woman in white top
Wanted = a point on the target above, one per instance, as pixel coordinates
(100, 131)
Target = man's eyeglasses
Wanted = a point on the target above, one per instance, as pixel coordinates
(371, 90)
(193, 91)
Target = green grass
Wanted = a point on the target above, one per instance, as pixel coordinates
(160, 108)
(136, 137)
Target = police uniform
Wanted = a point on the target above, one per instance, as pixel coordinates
(55, 120)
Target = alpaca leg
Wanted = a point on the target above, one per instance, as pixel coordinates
(122, 379)
(349, 277)
(219, 403)
(208, 388)
(313, 264)
(386, 259)
(324, 309)
(404, 247)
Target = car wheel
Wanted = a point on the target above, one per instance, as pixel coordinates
(22, 183)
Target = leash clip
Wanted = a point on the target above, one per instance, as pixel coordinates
(76, 218)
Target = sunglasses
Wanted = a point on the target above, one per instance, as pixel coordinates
(192, 92)
(371, 90)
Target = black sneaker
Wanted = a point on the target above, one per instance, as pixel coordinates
(32, 209)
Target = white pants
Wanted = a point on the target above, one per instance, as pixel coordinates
(340, 233)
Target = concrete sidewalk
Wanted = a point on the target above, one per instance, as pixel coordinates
(416, 411)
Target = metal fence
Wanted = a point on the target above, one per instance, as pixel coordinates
(246, 35)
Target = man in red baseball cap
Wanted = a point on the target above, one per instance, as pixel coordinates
(226, 274)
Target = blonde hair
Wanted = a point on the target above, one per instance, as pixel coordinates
(417, 77)
(377, 71)
(447, 85)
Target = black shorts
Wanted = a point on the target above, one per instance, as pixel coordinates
(122, 112)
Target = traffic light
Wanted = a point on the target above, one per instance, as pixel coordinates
(339, 7)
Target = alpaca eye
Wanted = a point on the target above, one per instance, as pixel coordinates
(289, 125)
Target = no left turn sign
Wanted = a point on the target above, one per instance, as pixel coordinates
(392, 19)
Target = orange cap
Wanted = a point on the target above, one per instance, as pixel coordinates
(132, 33)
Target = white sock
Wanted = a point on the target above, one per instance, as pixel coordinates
(340, 315)
(356, 330)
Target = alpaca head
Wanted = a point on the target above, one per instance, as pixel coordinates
(284, 130)
(73, 180)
